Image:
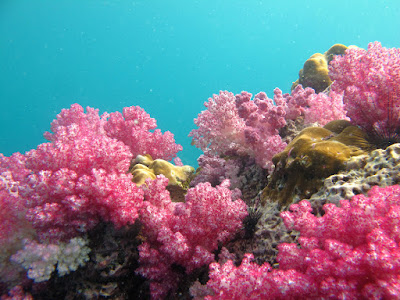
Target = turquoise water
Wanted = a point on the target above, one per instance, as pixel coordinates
(165, 56)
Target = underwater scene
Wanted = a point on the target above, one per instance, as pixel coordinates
(199, 149)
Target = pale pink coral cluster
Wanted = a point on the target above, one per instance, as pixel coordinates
(238, 125)
(221, 129)
(185, 233)
(14, 227)
(315, 108)
(351, 252)
(215, 169)
(370, 83)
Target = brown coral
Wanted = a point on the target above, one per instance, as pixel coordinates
(313, 155)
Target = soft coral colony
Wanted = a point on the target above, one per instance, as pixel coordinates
(100, 203)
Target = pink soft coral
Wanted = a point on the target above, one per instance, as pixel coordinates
(79, 178)
(134, 128)
(221, 129)
(370, 81)
(184, 234)
(318, 108)
(240, 126)
(351, 252)
(251, 281)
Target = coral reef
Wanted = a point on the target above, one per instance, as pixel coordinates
(315, 70)
(239, 126)
(78, 188)
(136, 129)
(179, 177)
(94, 212)
(64, 188)
(242, 172)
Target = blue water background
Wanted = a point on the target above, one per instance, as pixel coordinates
(165, 56)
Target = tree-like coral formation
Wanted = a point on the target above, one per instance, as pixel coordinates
(79, 178)
(239, 126)
(41, 260)
(136, 129)
(63, 188)
(315, 70)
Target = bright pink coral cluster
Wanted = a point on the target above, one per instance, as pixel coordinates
(186, 233)
(136, 129)
(80, 177)
(351, 252)
(370, 83)
(240, 125)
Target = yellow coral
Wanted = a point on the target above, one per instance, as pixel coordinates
(179, 177)
(315, 70)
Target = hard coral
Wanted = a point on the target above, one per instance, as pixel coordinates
(361, 173)
(314, 154)
(179, 177)
(315, 70)
(370, 83)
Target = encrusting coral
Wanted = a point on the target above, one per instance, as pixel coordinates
(315, 70)
(313, 155)
(361, 173)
